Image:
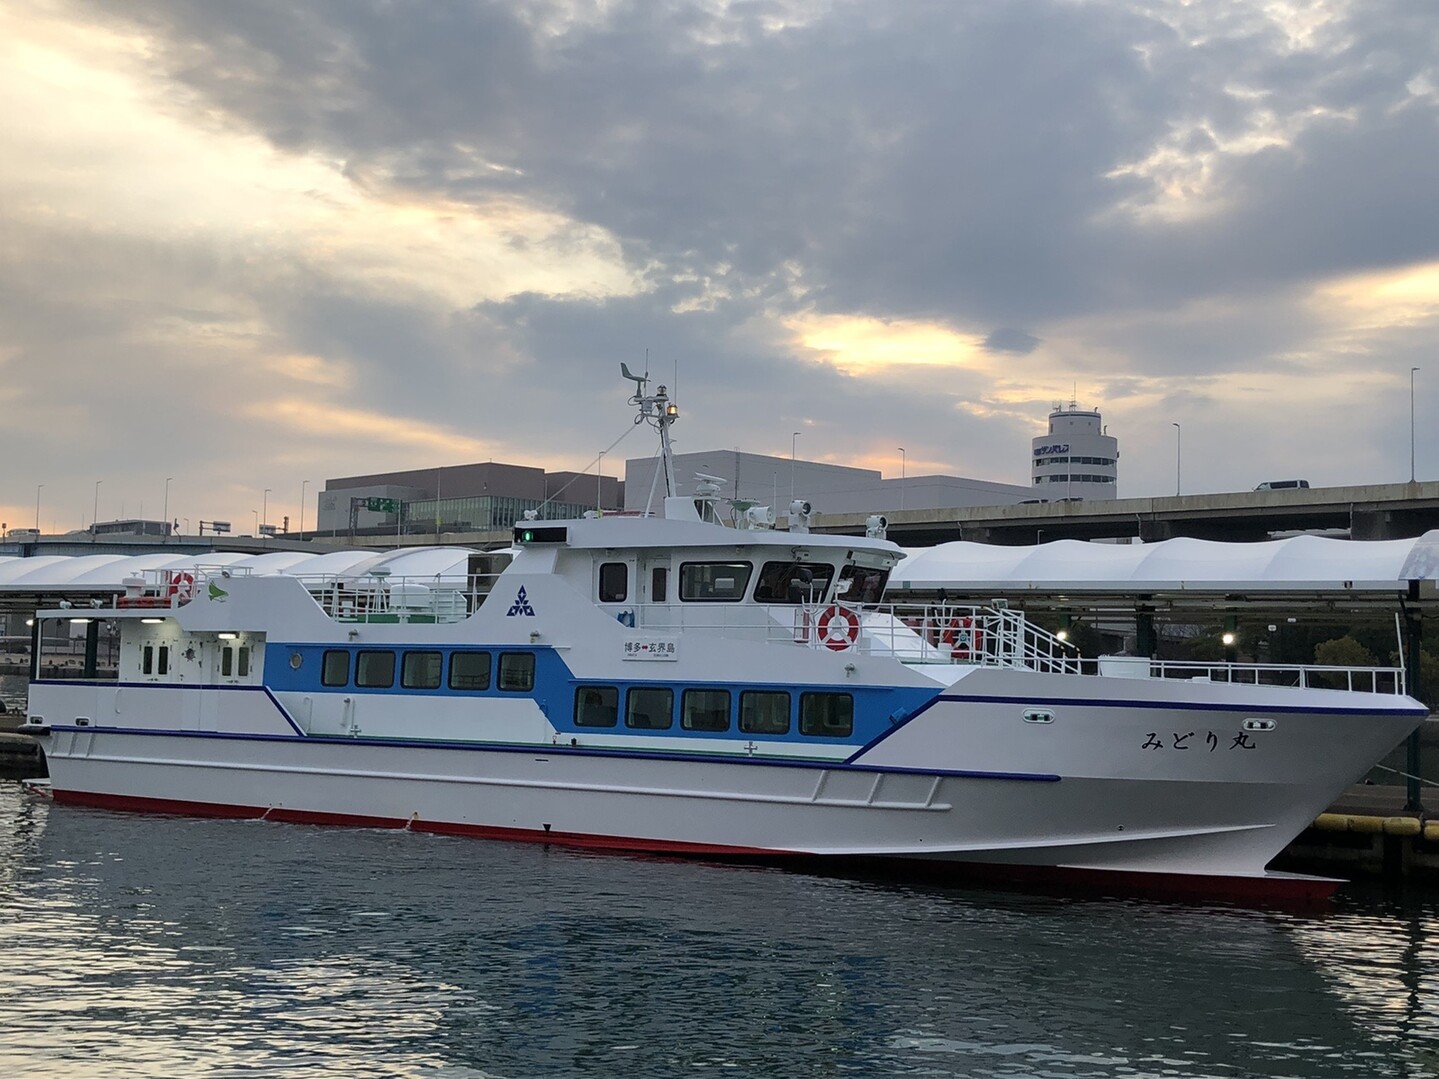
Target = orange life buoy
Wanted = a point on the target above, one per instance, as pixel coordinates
(182, 584)
(964, 639)
(838, 627)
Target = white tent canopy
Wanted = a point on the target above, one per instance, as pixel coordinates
(107, 573)
(1301, 563)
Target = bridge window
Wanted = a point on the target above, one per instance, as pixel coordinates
(375, 670)
(650, 708)
(614, 582)
(764, 712)
(597, 706)
(470, 670)
(861, 584)
(793, 582)
(335, 670)
(421, 670)
(517, 671)
(706, 710)
(826, 715)
(714, 582)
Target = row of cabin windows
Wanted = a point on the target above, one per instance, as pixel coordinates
(725, 582)
(234, 662)
(375, 669)
(821, 715)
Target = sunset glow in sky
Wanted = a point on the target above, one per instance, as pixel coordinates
(246, 245)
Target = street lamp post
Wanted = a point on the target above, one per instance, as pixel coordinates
(1178, 455)
(792, 440)
(257, 521)
(1411, 423)
(599, 479)
(265, 507)
(303, 485)
(95, 509)
(38, 486)
(902, 460)
(165, 515)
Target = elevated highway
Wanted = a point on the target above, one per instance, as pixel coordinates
(1369, 512)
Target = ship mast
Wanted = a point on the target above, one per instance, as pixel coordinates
(658, 410)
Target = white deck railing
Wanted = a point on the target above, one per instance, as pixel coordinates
(914, 634)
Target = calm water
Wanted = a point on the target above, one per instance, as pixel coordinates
(147, 946)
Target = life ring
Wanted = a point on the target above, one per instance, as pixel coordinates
(838, 628)
(182, 584)
(963, 638)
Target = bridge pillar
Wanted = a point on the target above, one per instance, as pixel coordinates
(1369, 524)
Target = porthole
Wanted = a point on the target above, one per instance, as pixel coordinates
(296, 660)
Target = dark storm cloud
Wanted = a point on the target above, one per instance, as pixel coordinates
(1006, 339)
(939, 160)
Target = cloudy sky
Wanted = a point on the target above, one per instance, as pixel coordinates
(254, 243)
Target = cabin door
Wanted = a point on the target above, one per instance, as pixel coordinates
(656, 593)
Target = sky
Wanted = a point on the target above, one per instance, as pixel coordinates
(255, 245)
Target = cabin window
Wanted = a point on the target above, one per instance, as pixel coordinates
(764, 712)
(614, 582)
(793, 582)
(714, 582)
(650, 708)
(420, 670)
(335, 670)
(659, 583)
(597, 706)
(517, 671)
(706, 710)
(470, 670)
(826, 715)
(162, 660)
(375, 670)
(227, 661)
(861, 584)
(242, 661)
(147, 659)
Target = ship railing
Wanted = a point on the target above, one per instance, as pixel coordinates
(941, 633)
(441, 598)
(1389, 680)
(170, 587)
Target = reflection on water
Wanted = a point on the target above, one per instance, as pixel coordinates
(144, 946)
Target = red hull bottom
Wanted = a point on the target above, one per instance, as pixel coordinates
(1272, 888)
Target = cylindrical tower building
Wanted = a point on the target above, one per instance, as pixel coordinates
(1076, 459)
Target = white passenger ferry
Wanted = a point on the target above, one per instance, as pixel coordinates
(668, 683)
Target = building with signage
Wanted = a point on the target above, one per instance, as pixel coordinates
(1076, 458)
(829, 488)
(482, 497)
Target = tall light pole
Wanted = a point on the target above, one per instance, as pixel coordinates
(265, 507)
(38, 486)
(257, 521)
(901, 477)
(165, 515)
(792, 440)
(599, 479)
(303, 485)
(95, 510)
(1178, 454)
(1411, 423)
